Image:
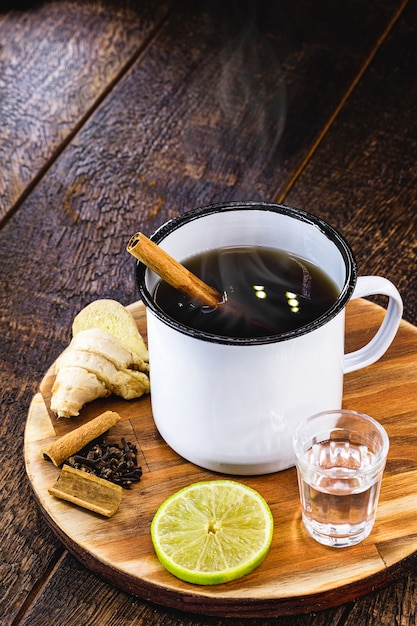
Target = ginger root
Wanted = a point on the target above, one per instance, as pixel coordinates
(73, 387)
(96, 364)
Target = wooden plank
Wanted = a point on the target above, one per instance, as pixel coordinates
(61, 58)
(363, 176)
(274, 55)
(122, 609)
(249, 101)
(310, 575)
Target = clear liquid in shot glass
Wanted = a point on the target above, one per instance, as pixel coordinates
(339, 505)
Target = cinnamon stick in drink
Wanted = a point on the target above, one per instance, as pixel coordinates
(179, 277)
(175, 274)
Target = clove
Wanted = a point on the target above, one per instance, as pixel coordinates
(113, 462)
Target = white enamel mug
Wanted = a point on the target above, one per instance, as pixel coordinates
(232, 404)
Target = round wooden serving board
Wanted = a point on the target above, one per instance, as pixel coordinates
(298, 575)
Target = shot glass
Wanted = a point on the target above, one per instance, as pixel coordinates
(340, 459)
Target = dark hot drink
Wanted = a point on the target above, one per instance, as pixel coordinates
(270, 292)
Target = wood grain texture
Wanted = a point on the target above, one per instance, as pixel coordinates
(250, 97)
(298, 573)
(357, 179)
(61, 60)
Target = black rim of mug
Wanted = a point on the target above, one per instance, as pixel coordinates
(326, 229)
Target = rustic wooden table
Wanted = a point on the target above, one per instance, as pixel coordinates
(116, 116)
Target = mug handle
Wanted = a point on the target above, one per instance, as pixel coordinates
(373, 285)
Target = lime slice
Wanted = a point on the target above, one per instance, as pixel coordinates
(212, 532)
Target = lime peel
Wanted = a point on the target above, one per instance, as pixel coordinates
(212, 532)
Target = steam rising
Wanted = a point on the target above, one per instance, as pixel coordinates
(241, 90)
(246, 96)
